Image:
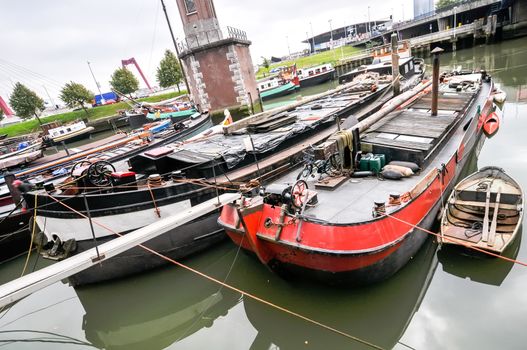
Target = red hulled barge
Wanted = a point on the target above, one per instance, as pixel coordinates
(320, 222)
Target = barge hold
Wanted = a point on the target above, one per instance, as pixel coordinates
(351, 228)
(166, 181)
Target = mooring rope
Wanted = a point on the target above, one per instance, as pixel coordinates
(32, 236)
(228, 286)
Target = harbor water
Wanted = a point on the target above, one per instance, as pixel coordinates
(444, 298)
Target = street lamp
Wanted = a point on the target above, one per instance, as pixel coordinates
(313, 37)
(96, 83)
(331, 34)
(369, 22)
(455, 22)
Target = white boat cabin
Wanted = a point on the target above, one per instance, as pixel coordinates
(304, 73)
(268, 84)
(66, 129)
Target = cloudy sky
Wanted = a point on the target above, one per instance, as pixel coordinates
(48, 43)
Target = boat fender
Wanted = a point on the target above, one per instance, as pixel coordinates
(414, 167)
(404, 171)
(362, 174)
(391, 174)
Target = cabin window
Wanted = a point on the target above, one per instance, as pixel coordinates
(68, 130)
(317, 70)
(269, 85)
(62, 132)
(190, 5)
(299, 72)
(324, 69)
(406, 69)
(311, 73)
(411, 65)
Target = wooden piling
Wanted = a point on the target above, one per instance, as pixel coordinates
(395, 65)
(435, 78)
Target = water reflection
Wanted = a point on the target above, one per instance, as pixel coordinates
(162, 309)
(378, 314)
(478, 267)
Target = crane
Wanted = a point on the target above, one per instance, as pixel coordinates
(134, 62)
(5, 107)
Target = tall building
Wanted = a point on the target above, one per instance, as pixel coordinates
(218, 65)
(422, 7)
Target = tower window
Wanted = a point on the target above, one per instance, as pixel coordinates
(190, 6)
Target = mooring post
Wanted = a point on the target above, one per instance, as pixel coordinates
(251, 100)
(215, 182)
(260, 100)
(65, 148)
(435, 78)
(91, 227)
(395, 65)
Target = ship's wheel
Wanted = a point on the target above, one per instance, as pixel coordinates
(99, 173)
(78, 165)
(299, 193)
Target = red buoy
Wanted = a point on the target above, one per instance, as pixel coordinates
(491, 124)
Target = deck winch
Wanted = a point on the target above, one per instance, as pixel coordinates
(97, 173)
(277, 194)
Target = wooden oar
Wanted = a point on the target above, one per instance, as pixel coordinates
(494, 224)
(485, 231)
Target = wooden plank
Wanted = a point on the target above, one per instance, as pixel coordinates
(399, 144)
(485, 231)
(513, 207)
(454, 103)
(330, 183)
(492, 233)
(413, 130)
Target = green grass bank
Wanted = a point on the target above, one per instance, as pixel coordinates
(330, 56)
(30, 126)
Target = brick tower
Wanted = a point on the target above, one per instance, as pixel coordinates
(218, 64)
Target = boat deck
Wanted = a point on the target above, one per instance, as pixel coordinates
(266, 134)
(353, 200)
(412, 134)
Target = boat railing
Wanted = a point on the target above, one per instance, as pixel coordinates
(207, 37)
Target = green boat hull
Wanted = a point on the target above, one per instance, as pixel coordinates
(174, 115)
(282, 90)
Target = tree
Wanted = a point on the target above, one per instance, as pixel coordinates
(169, 71)
(265, 63)
(75, 94)
(1, 114)
(124, 82)
(446, 3)
(25, 102)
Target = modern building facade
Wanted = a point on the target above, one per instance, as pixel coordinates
(422, 7)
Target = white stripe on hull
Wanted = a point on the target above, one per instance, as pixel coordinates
(79, 229)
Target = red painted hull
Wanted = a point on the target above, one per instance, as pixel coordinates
(355, 253)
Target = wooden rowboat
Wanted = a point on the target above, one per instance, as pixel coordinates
(485, 211)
